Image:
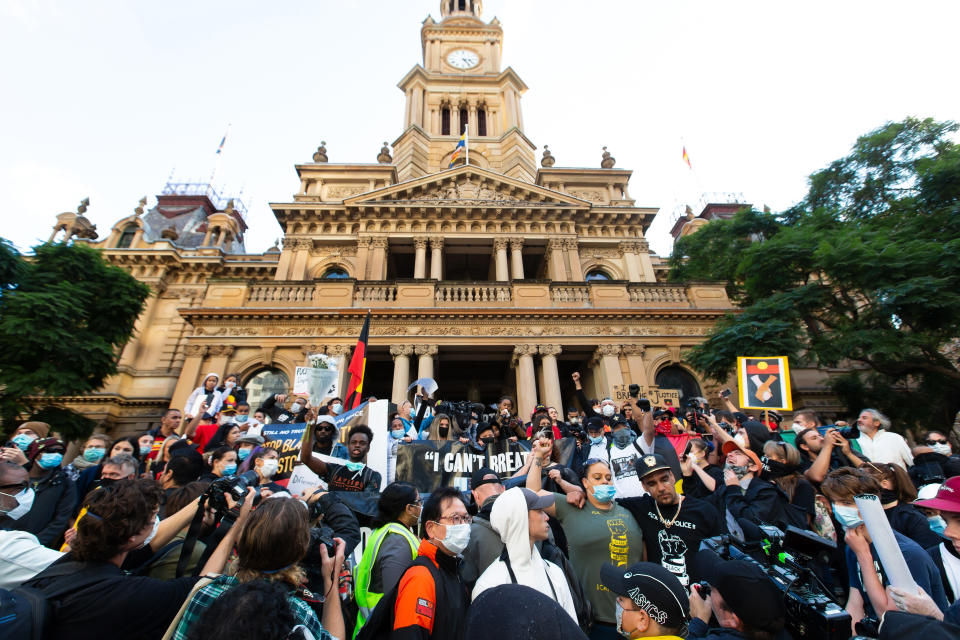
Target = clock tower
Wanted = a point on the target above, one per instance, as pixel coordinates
(459, 86)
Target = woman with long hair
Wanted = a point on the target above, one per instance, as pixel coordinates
(391, 548)
(443, 428)
(781, 462)
(275, 539)
(222, 464)
(896, 497)
(225, 435)
(700, 478)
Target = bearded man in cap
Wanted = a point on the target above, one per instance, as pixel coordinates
(651, 602)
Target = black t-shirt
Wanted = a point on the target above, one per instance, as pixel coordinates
(675, 546)
(693, 486)
(340, 478)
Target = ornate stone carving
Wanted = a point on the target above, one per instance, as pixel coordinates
(312, 349)
(525, 350)
(547, 160)
(549, 349)
(321, 153)
(600, 252)
(333, 252)
(643, 246)
(384, 156)
(499, 244)
(634, 350)
(607, 160)
(516, 244)
(590, 195)
(401, 350)
(363, 242)
(570, 244)
(555, 244)
(629, 246)
(195, 350)
(379, 243)
(607, 350)
(420, 242)
(339, 193)
(339, 350)
(296, 244)
(425, 349)
(436, 242)
(221, 350)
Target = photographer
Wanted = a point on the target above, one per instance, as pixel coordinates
(819, 455)
(87, 590)
(700, 478)
(510, 426)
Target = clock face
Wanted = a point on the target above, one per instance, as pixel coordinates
(462, 59)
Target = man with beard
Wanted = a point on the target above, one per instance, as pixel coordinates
(819, 455)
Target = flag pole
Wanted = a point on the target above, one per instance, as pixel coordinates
(466, 143)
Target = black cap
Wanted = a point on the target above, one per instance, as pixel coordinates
(594, 423)
(650, 463)
(745, 588)
(483, 475)
(652, 588)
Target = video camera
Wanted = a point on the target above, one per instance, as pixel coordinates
(786, 559)
(236, 486)
(463, 412)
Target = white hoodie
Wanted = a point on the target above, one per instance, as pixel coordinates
(509, 518)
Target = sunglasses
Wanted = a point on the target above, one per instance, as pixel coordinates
(932, 442)
(326, 427)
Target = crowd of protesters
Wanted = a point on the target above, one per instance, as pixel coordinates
(183, 531)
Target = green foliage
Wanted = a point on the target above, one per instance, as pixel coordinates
(64, 317)
(864, 273)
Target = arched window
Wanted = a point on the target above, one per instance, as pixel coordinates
(463, 5)
(445, 119)
(126, 236)
(675, 377)
(264, 383)
(335, 273)
(481, 122)
(463, 120)
(597, 274)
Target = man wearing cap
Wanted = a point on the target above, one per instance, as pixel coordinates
(746, 603)
(518, 517)
(673, 525)
(946, 555)
(485, 544)
(16, 447)
(651, 602)
(745, 494)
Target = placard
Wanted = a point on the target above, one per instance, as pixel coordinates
(658, 397)
(318, 384)
(764, 383)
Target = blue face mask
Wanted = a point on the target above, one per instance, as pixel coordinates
(596, 439)
(337, 407)
(937, 524)
(94, 454)
(848, 517)
(230, 469)
(604, 492)
(242, 454)
(145, 450)
(397, 434)
(241, 418)
(355, 466)
(50, 460)
(22, 440)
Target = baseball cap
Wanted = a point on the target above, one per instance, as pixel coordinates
(251, 439)
(536, 501)
(947, 498)
(594, 423)
(745, 588)
(42, 429)
(652, 588)
(650, 463)
(483, 475)
(730, 445)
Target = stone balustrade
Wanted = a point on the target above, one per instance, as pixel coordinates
(472, 293)
(375, 293)
(655, 293)
(278, 294)
(564, 294)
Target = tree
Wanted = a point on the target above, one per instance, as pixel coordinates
(862, 275)
(65, 315)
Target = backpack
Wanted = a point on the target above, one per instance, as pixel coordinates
(27, 612)
(379, 625)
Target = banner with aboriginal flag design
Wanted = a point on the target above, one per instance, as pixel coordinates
(764, 383)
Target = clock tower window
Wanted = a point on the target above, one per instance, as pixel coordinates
(445, 121)
(481, 121)
(463, 120)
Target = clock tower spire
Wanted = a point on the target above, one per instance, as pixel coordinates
(460, 86)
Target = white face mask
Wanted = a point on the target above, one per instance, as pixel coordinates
(229, 385)
(153, 532)
(457, 538)
(943, 448)
(269, 467)
(608, 410)
(741, 440)
(296, 407)
(24, 503)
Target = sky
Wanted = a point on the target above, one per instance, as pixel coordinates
(107, 99)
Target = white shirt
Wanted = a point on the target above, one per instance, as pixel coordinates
(886, 447)
(22, 557)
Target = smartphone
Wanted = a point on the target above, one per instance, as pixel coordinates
(725, 393)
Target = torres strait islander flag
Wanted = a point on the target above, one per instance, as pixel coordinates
(358, 365)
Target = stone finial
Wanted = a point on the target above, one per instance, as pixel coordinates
(688, 212)
(607, 161)
(230, 207)
(548, 159)
(82, 209)
(139, 209)
(384, 156)
(321, 154)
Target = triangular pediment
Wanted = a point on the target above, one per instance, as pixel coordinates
(467, 186)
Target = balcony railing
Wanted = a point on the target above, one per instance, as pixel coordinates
(278, 293)
(374, 293)
(657, 293)
(472, 293)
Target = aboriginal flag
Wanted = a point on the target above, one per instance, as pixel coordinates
(763, 366)
(358, 364)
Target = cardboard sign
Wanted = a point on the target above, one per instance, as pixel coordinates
(319, 384)
(658, 397)
(764, 383)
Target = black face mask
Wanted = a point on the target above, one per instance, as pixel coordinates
(887, 496)
(105, 482)
(488, 440)
(775, 468)
(444, 431)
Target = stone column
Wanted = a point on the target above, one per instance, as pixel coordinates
(436, 258)
(377, 269)
(189, 374)
(472, 119)
(425, 353)
(644, 262)
(551, 377)
(573, 257)
(219, 356)
(516, 258)
(503, 271)
(638, 369)
(607, 367)
(401, 371)
(341, 352)
(558, 269)
(301, 247)
(363, 257)
(629, 251)
(420, 261)
(526, 378)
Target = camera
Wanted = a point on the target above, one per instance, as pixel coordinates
(236, 486)
(850, 432)
(634, 390)
(703, 589)
(463, 412)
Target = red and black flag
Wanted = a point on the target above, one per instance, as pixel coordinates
(358, 365)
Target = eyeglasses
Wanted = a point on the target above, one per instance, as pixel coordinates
(932, 442)
(457, 519)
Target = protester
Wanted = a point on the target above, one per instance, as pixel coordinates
(121, 466)
(651, 602)
(485, 544)
(933, 460)
(326, 438)
(946, 554)
(781, 465)
(408, 417)
(273, 407)
(518, 612)
(226, 434)
(207, 394)
(54, 495)
(556, 477)
(821, 454)
(519, 518)
(390, 549)
(602, 531)
(879, 444)
(16, 448)
(163, 564)
(94, 450)
(245, 445)
(700, 478)
(897, 495)
(354, 475)
(91, 476)
(745, 495)
(673, 525)
(431, 600)
(169, 426)
(223, 463)
(21, 554)
(264, 461)
(543, 422)
(273, 542)
(231, 387)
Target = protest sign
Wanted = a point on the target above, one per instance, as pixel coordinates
(764, 383)
(658, 397)
(318, 384)
(285, 438)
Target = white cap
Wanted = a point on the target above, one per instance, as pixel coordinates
(928, 491)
